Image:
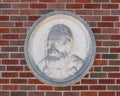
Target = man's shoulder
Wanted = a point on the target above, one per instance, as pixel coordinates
(76, 58)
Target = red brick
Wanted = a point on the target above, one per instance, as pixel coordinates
(22, 62)
(98, 87)
(4, 18)
(114, 75)
(97, 69)
(19, 81)
(20, 6)
(4, 81)
(33, 18)
(28, 24)
(115, 1)
(98, 56)
(110, 56)
(98, 75)
(17, 55)
(110, 68)
(71, 94)
(118, 81)
(83, 12)
(101, 62)
(38, 6)
(117, 24)
(56, 6)
(14, 68)
(5, 5)
(47, 1)
(11, 0)
(7, 61)
(106, 93)
(92, 6)
(21, 49)
(102, 50)
(29, 0)
(23, 36)
(10, 12)
(6, 24)
(10, 36)
(9, 87)
(110, 18)
(92, 18)
(83, 1)
(110, 30)
(36, 94)
(53, 93)
(114, 62)
(113, 87)
(115, 12)
(4, 42)
(96, 30)
(4, 30)
(101, 12)
(105, 24)
(28, 12)
(2, 68)
(26, 74)
(21, 93)
(115, 37)
(100, 1)
(26, 68)
(17, 43)
(110, 43)
(118, 93)
(9, 49)
(3, 93)
(89, 93)
(115, 50)
(110, 6)
(41, 11)
(92, 24)
(18, 30)
(62, 88)
(98, 43)
(27, 87)
(43, 87)
(106, 81)
(79, 87)
(34, 81)
(18, 18)
(18, 24)
(4, 55)
(89, 81)
(10, 74)
(65, 1)
(73, 6)
(102, 37)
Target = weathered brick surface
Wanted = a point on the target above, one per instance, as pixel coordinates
(16, 18)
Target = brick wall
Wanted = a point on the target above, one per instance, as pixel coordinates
(17, 16)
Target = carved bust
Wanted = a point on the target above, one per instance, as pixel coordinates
(59, 63)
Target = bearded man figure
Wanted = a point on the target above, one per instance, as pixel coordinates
(59, 62)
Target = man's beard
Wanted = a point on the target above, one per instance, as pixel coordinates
(56, 55)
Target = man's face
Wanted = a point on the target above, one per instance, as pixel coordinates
(57, 48)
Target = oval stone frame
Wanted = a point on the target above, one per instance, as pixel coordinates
(84, 43)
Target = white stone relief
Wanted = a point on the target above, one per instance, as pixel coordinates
(59, 46)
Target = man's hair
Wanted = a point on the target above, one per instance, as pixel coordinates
(61, 30)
